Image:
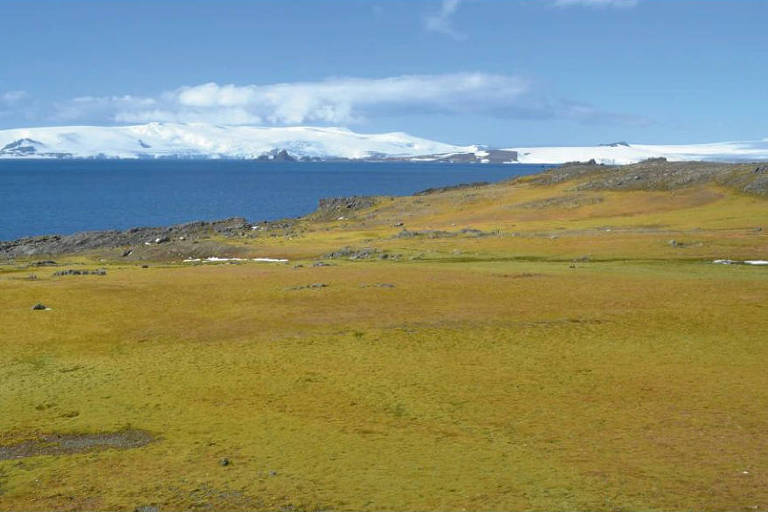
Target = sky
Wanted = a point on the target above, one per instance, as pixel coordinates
(497, 72)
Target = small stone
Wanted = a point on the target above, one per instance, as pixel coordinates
(224, 462)
(39, 307)
(146, 508)
(145, 266)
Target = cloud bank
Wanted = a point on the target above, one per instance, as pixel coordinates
(337, 101)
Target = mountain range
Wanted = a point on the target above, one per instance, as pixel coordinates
(305, 143)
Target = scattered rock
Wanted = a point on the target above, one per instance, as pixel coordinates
(322, 264)
(353, 254)
(308, 286)
(224, 462)
(335, 207)
(64, 444)
(39, 307)
(519, 276)
(147, 508)
(569, 201)
(73, 272)
(460, 186)
(93, 240)
(44, 263)
(427, 233)
(127, 252)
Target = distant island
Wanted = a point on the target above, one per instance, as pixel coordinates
(306, 143)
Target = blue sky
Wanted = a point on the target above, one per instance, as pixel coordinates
(497, 72)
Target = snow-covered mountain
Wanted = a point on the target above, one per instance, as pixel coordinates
(622, 153)
(168, 140)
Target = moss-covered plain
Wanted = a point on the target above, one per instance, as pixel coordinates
(495, 374)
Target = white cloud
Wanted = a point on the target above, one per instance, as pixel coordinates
(442, 20)
(332, 101)
(11, 97)
(596, 3)
(11, 102)
(337, 101)
(99, 108)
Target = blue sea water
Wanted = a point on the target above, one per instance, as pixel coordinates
(64, 196)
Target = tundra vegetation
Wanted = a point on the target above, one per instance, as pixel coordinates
(557, 342)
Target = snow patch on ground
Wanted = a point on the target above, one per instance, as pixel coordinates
(216, 259)
(746, 262)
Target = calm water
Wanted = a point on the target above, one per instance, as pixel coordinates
(42, 197)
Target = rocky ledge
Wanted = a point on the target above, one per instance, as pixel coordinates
(198, 239)
(128, 241)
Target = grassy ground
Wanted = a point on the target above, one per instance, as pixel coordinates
(495, 374)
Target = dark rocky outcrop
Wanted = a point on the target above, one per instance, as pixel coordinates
(124, 240)
(277, 155)
(353, 254)
(21, 147)
(487, 156)
(334, 207)
(26, 147)
(656, 174)
(461, 186)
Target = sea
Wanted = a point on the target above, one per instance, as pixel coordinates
(40, 197)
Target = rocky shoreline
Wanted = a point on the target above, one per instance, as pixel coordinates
(192, 239)
(203, 238)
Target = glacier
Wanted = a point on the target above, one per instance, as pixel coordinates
(197, 140)
(623, 153)
(171, 140)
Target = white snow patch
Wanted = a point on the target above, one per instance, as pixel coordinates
(216, 259)
(746, 262)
